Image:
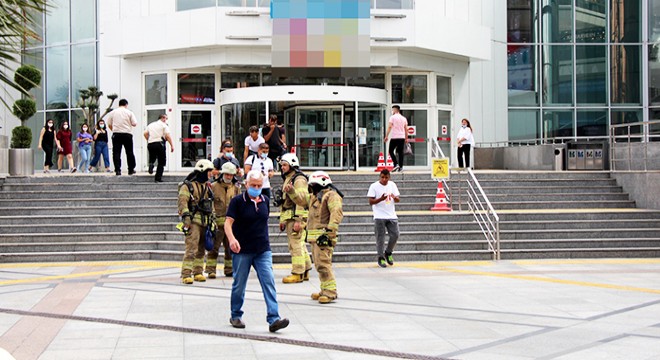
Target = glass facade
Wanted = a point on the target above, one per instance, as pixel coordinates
(579, 67)
(66, 52)
(183, 5)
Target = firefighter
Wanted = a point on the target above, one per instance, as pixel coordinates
(196, 210)
(325, 214)
(224, 189)
(293, 215)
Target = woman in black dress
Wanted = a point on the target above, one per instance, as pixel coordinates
(46, 141)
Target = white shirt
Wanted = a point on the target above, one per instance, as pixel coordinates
(385, 208)
(466, 133)
(157, 131)
(121, 120)
(253, 145)
(264, 165)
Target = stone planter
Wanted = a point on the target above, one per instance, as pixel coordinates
(21, 162)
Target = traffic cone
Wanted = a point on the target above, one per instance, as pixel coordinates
(441, 203)
(293, 150)
(381, 163)
(390, 164)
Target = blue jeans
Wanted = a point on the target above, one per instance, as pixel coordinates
(85, 154)
(100, 148)
(263, 265)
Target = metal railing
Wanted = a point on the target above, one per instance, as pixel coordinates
(635, 141)
(478, 203)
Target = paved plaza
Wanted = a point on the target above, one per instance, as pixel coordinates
(541, 309)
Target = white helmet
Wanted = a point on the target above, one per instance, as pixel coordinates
(228, 168)
(319, 177)
(204, 165)
(290, 159)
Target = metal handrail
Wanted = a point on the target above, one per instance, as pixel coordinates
(484, 214)
(643, 137)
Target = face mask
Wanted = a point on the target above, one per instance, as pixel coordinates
(229, 155)
(50, 125)
(463, 126)
(102, 126)
(254, 192)
(226, 181)
(263, 155)
(85, 128)
(65, 127)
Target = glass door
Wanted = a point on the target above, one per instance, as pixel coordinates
(444, 132)
(371, 125)
(195, 142)
(319, 133)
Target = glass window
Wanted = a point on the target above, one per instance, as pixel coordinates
(557, 21)
(231, 80)
(182, 5)
(38, 27)
(417, 118)
(522, 75)
(392, 4)
(57, 77)
(654, 21)
(234, 2)
(626, 116)
(83, 71)
(654, 74)
(59, 117)
(521, 21)
(625, 20)
(36, 57)
(196, 88)
(57, 22)
(590, 21)
(443, 84)
(625, 74)
(654, 129)
(264, 3)
(155, 89)
(557, 123)
(591, 74)
(77, 119)
(524, 125)
(592, 123)
(83, 18)
(376, 81)
(409, 89)
(154, 114)
(557, 75)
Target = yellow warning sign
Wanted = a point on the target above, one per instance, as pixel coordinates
(440, 168)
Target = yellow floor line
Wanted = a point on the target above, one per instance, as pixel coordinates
(71, 276)
(586, 261)
(92, 264)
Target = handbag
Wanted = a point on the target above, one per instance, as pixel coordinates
(209, 238)
(407, 149)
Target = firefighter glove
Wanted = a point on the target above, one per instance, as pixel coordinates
(323, 240)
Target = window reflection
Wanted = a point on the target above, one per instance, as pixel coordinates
(239, 80)
(590, 21)
(558, 123)
(625, 74)
(558, 75)
(591, 74)
(409, 89)
(626, 117)
(592, 123)
(376, 81)
(156, 89)
(625, 20)
(83, 16)
(522, 87)
(57, 22)
(524, 125)
(57, 77)
(417, 118)
(196, 88)
(182, 5)
(654, 21)
(443, 85)
(521, 21)
(654, 74)
(83, 73)
(557, 21)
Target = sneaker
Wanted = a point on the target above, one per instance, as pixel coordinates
(389, 258)
(90, 168)
(278, 324)
(381, 262)
(59, 170)
(396, 168)
(108, 170)
(237, 323)
(151, 168)
(73, 170)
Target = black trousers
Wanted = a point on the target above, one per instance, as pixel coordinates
(48, 155)
(465, 149)
(397, 144)
(125, 140)
(157, 152)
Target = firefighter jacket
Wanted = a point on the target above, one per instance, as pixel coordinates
(325, 215)
(196, 200)
(222, 195)
(296, 200)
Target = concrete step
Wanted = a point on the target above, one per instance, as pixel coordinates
(577, 197)
(77, 194)
(87, 210)
(594, 243)
(562, 204)
(580, 253)
(93, 230)
(551, 189)
(92, 202)
(582, 224)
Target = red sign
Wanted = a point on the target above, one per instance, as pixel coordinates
(195, 129)
(412, 130)
(444, 129)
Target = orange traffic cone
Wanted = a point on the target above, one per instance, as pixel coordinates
(441, 203)
(381, 163)
(390, 164)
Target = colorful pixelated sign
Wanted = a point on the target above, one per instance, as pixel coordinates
(321, 38)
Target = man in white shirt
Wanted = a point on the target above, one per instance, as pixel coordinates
(252, 143)
(263, 163)
(122, 121)
(156, 134)
(382, 196)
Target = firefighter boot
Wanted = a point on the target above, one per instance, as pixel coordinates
(293, 279)
(325, 300)
(200, 278)
(306, 275)
(211, 275)
(316, 296)
(187, 280)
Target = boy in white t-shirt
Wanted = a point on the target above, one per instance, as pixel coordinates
(252, 143)
(382, 196)
(261, 162)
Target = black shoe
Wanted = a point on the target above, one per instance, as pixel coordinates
(237, 323)
(158, 180)
(118, 173)
(131, 172)
(389, 258)
(151, 168)
(381, 262)
(279, 324)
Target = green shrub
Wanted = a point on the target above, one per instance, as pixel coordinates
(21, 137)
(27, 76)
(24, 109)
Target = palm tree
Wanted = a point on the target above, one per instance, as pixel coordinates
(17, 20)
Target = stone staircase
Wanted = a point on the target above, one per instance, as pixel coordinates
(543, 215)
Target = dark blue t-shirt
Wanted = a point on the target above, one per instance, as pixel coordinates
(250, 223)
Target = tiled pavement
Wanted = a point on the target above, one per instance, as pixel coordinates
(542, 309)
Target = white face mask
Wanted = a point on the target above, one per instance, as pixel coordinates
(65, 127)
(226, 181)
(263, 155)
(229, 155)
(464, 126)
(85, 128)
(50, 125)
(102, 126)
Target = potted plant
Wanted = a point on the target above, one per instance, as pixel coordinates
(21, 161)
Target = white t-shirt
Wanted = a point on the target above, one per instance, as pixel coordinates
(252, 144)
(264, 165)
(384, 209)
(157, 131)
(467, 134)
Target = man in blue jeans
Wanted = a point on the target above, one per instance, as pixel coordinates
(246, 227)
